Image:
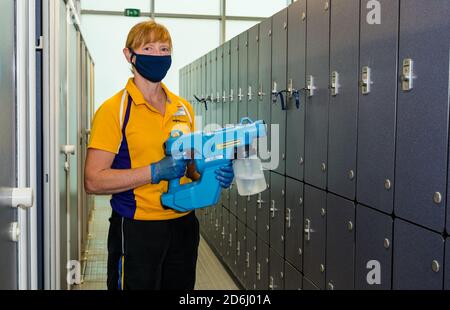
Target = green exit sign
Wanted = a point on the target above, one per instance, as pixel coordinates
(132, 12)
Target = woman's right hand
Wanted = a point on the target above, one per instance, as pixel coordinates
(167, 169)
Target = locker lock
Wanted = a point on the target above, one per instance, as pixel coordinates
(351, 174)
(387, 184)
(366, 80)
(435, 266)
(322, 212)
(323, 167)
(310, 86)
(322, 268)
(387, 243)
(407, 74)
(273, 209)
(307, 230)
(330, 286)
(335, 83)
(350, 226)
(303, 16)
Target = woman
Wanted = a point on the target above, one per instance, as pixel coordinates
(149, 246)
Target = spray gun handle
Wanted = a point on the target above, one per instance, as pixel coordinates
(174, 183)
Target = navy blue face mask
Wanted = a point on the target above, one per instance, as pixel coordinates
(151, 67)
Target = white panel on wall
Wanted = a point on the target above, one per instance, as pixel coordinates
(236, 27)
(208, 7)
(263, 8)
(115, 5)
(191, 39)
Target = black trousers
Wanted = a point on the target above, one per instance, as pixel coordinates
(152, 255)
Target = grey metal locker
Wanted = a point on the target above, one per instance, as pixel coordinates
(251, 212)
(226, 84)
(264, 78)
(418, 258)
(263, 212)
(344, 64)
(232, 242)
(292, 277)
(279, 64)
(252, 78)
(208, 84)
(277, 212)
(314, 238)
(340, 243)
(262, 265)
(241, 95)
(226, 235)
(373, 250)
(317, 98)
(308, 285)
(296, 64)
(241, 251)
(241, 211)
(234, 80)
(219, 88)
(423, 107)
(276, 271)
(377, 107)
(213, 90)
(233, 198)
(294, 223)
(447, 265)
(250, 261)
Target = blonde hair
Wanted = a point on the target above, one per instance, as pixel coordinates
(147, 32)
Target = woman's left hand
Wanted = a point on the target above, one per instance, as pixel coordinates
(225, 175)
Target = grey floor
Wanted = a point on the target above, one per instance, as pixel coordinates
(211, 275)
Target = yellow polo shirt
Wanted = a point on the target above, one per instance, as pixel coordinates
(135, 131)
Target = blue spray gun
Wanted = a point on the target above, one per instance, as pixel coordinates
(211, 151)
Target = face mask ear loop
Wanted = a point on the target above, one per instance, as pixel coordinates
(133, 54)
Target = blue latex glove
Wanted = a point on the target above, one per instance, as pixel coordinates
(225, 175)
(167, 169)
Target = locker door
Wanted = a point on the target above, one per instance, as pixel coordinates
(213, 90)
(314, 235)
(373, 249)
(226, 236)
(277, 212)
(207, 92)
(317, 73)
(233, 244)
(295, 118)
(340, 243)
(344, 64)
(250, 261)
(292, 277)
(243, 75)
(422, 129)
(226, 84)
(219, 88)
(241, 251)
(447, 265)
(308, 285)
(377, 108)
(251, 212)
(276, 271)
(8, 261)
(262, 211)
(234, 79)
(294, 222)
(241, 207)
(418, 258)
(264, 76)
(233, 198)
(262, 265)
(279, 63)
(252, 89)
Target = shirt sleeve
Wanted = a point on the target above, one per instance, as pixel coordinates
(106, 134)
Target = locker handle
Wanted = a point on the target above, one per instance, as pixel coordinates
(288, 217)
(224, 97)
(231, 95)
(218, 97)
(249, 93)
(238, 249)
(260, 92)
(307, 229)
(273, 209)
(240, 95)
(292, 92)
(258, 271)
(247, 260)
(275, 96)
(16, 197)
